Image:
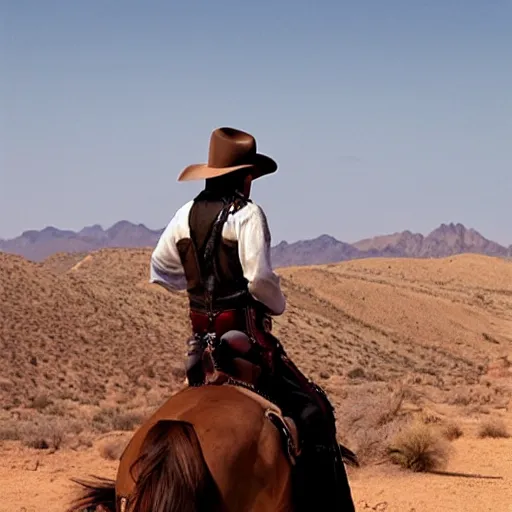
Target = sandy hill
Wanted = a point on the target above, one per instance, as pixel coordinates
(84, 329)
(90, 328)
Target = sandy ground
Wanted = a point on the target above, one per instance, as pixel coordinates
(481, 480)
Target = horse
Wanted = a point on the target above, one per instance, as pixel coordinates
(222, 446)
(209, 448)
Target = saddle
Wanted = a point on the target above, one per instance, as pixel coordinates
(231, 357)
(233, 360)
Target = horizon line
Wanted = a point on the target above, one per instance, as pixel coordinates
(141, 224)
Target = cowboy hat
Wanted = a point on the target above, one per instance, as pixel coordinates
(230, 150)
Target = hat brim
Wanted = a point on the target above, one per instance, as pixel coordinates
(261, 165)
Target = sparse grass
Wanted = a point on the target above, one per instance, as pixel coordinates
(494, 428)
(418, 448)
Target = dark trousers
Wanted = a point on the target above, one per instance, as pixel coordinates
(321, 481)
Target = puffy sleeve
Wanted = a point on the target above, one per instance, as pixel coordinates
(165, 266)
(254, 243)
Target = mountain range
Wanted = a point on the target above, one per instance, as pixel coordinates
(446, 240)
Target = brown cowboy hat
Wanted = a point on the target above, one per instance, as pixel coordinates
(230, 150)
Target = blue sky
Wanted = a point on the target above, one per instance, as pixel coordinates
(383, 116)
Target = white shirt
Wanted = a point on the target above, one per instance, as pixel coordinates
(249, 228)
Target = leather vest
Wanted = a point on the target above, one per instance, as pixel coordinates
(220, 265)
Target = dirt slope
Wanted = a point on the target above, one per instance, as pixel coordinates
(95, 325)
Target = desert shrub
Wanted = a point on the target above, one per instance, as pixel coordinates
(112, 450)
(40, 402)
(104, 416)
(460, 398)
(371, 419)
(43, 436)
(431, 418)
(108, 419)
(418, 448)
(149, 371)
(56, 409)
(9, 432)
(494, 428)
(451, 431)
(356, 373)
(126, 421)
(367, 444)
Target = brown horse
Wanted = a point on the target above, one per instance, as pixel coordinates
(209, 448)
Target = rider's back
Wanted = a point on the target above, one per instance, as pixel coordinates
(243, 254)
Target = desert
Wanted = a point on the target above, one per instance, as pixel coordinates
(361, 151)
(410, 351)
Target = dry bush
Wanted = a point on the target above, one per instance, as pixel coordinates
(495, 428)
(111, 418)
(479, 396)
(112, 450)
(419, 448)
(56, 409)
(9, 431)
(368, 445)
(371, 419)
(127, 421)
(451, 431)
(356, 373)
(40, 431)
(42, 436)
(431, 418)
(81, 441)
(40, 402)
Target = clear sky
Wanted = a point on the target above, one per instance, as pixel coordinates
(382, 115)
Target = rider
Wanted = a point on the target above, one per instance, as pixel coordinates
(217, 247)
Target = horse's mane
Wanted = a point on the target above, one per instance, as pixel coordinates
(171, 472)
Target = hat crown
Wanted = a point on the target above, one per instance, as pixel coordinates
(230, 147)
(230, 150)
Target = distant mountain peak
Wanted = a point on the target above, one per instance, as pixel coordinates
(326, 238)
(446, 239)
(122, 224)
(457, 228)
(93, 227)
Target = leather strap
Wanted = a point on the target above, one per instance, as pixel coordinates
(210, 257)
